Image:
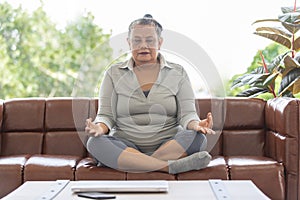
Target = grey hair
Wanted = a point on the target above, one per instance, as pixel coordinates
(146, 20)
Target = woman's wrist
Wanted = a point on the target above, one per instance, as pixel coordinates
(192, 125)
(103, 128)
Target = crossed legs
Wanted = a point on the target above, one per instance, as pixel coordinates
(116, 154)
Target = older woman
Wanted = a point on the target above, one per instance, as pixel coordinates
(147, 118)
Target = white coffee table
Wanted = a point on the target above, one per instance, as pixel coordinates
(183, 190)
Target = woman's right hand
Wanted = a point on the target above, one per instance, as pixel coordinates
(94, 129)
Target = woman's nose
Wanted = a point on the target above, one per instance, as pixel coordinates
(144, 44)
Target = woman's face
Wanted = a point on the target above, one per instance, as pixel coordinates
(144, 44)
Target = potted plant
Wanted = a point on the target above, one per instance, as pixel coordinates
(284, 69)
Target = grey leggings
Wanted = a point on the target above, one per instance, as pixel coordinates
(107, 149)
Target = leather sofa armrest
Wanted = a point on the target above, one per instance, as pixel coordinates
(282, 116)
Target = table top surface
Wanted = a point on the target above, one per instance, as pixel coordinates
(187, 190)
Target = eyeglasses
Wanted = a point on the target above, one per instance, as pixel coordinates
(150, 41)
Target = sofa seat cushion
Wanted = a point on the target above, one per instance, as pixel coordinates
(261, 170)
(87, 169)
(216, 169)
(50, 167)
(11, 171)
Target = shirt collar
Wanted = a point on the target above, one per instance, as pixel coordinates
(129, 63)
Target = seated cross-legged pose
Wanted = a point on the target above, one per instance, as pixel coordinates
(147, 119)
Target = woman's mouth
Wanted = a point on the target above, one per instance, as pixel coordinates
(144, 53)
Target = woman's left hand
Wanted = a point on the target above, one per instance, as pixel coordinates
(205, 125)
(208, 122)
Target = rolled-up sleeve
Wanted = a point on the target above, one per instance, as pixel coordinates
(186, 110)
(107, 102)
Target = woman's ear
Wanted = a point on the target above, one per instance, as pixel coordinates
(129, 44)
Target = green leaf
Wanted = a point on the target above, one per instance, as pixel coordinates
(275, 30)
(252, 92)
(265, 20)
(277, 61)
(270, 79)
(297, 44)
(243, 80)
(258, 78)
(248, 79)
(297, 57)
(289, 17)
(258, 70)
(289, 61)
(255, 78)
(237, 82)
(289, 9)
(296, 87)
(289, 80)
(276, 38)
(292, 28)
(289, 64)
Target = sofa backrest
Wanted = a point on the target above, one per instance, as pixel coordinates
(56, 125)
(23, 126)
(44, 126)
(64, 126)
(239, 123)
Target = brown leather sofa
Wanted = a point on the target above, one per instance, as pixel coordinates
(43, 139)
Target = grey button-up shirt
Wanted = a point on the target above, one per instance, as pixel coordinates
(146, 121)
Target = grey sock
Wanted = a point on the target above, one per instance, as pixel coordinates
(195, 161)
